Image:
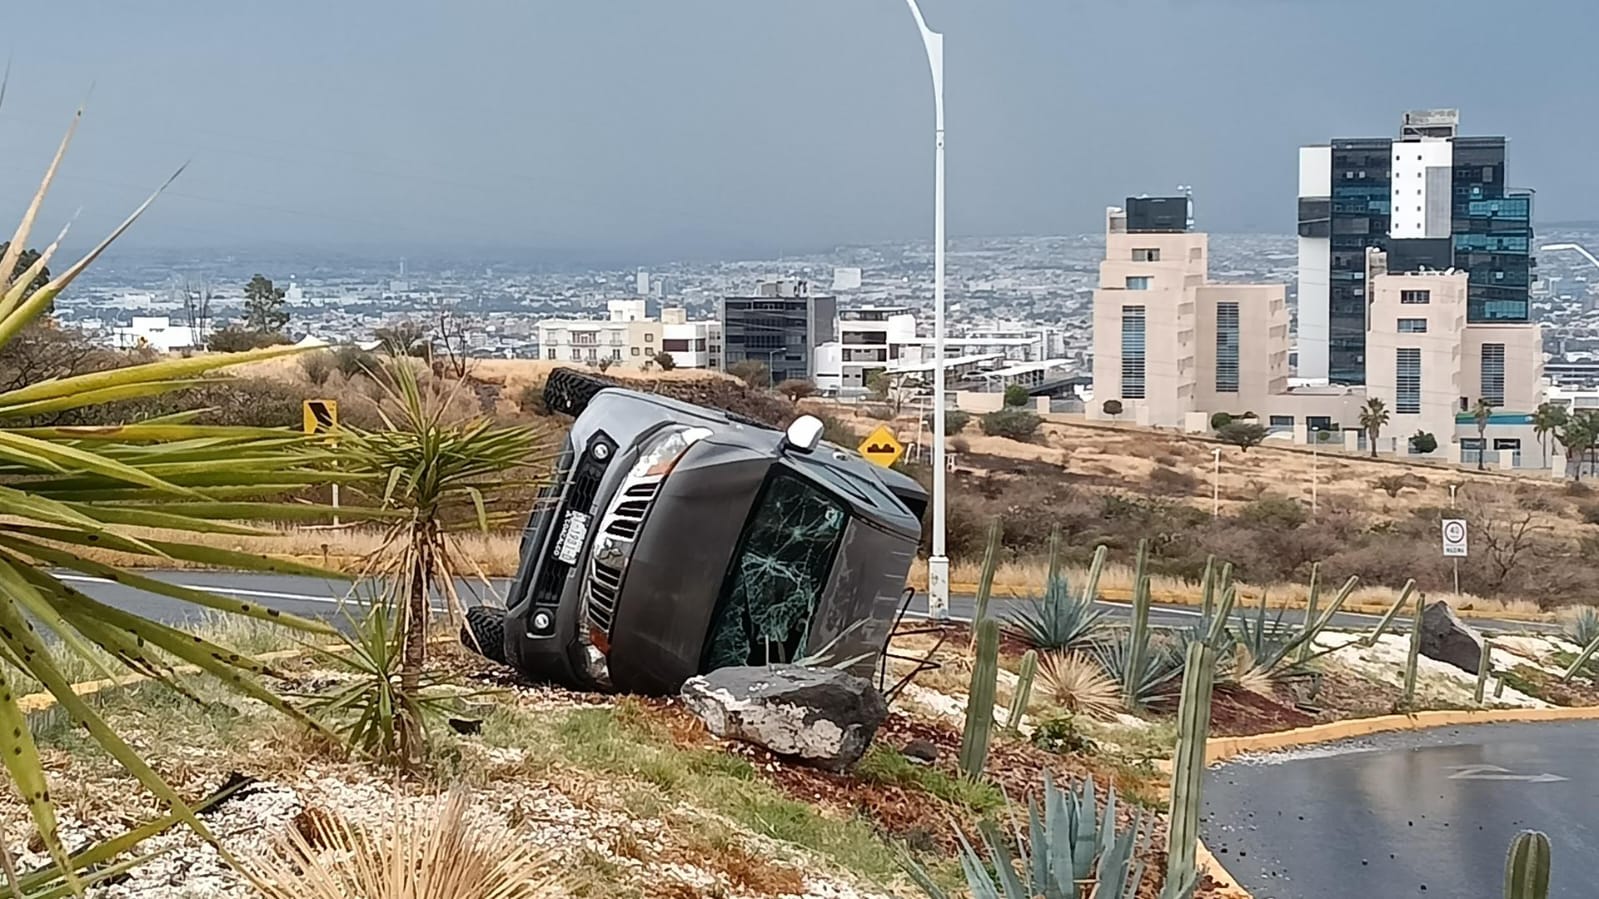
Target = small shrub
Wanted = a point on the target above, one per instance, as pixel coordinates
(1423, 443)
(1278, 513)
(834, 431)
(1391, 484)
(1173, 481)
(752, 372)
(1016, 395)
(1219, 420)
(961, 445)
(664, 360)
(796, 389)
(1059, 734)
(877, 411)
(1013, 424)
(955, 421)
(1113, 408)
(318, 367)
(1589, 512)
(352, 361)
(234, 339)
(1242, 434)
(1578, 488)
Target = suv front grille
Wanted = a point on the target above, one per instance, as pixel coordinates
(584, 484)
(605, 583)
(628, 516)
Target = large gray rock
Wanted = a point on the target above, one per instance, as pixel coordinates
(1448, 639)
(819, 716)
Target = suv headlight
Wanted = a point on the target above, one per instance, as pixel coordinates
(663, 450)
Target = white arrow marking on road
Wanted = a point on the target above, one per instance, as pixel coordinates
(1494, 772)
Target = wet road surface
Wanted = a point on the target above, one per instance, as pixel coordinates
(1418, 814)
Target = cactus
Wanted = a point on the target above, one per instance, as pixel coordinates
(1388, 617)
(1527, 866)
(985, 582)
(1024, 691)
(1484, 665)
(1054, 555)
(1207, 588)
(1415, 650)
(1188, 771)
(1091, 585)
(1310, 610)
(1138, 637)
(1582, 659)
(980, 700)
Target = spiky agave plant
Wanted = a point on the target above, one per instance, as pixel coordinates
(65, 489)
(442, 477)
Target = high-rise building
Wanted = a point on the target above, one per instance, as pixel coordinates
(779, 327)
(1170, 346)
(1430, 199)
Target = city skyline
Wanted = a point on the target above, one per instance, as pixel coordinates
(620, 131)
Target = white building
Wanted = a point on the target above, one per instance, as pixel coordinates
(156, 332)
(692, 344)
(626, 338)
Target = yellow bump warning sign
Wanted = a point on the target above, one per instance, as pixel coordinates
(881, 447)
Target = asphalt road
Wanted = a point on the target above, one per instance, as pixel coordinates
(313, 597)
(1428, 814)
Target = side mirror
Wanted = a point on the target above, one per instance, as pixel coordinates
(804, 433)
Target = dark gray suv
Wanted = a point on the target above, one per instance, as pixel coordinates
(676, 539)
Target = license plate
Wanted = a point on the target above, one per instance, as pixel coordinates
(574, 533)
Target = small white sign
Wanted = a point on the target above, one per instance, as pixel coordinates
(574, 532)
(1454, 537)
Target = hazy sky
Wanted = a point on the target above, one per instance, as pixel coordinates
(720, 126)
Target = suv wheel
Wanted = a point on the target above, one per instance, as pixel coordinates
(568, 391)
(484, 632)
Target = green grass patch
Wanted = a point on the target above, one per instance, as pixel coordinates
(617, 742)
(884, 765)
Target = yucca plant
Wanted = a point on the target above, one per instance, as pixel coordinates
(424, 853)
(1071, 848)
(66, 489)
(1079, 685)
(1580, 624)
(442, 477)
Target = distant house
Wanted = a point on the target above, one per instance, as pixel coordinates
(156, 332)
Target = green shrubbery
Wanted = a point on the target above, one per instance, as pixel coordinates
(1015, 424)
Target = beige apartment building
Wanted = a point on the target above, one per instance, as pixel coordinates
(626, 338)
(1169, 344)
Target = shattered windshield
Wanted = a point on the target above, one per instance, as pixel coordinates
(778, 575)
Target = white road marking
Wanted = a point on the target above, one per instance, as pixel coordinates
(228, 591)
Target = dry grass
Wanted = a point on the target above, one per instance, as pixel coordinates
(1078, 685)
(427, 854)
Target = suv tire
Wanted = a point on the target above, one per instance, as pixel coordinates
(484, 632)
(568, 391)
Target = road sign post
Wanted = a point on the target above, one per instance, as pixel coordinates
(1454, 534)
(317, 416)
(881, 447)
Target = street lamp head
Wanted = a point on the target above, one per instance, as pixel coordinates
(1216, 451)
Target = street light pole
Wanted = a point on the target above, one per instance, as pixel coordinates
(1315, 474)
(938, 562)
(1215, 485)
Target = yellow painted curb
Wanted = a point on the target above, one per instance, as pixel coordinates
(1220, 749)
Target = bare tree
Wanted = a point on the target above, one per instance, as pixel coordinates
(451, 335)
(196, 295)
(1507, 537)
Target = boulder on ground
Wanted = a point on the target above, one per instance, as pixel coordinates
(822, 717)
(1446, 638)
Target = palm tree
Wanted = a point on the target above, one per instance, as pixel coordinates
(1547, 421)
(63, 490)
(1579, 435)
(1373, 416)
(443, 477)
(1483, 411)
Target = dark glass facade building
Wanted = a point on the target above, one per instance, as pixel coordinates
(779, 329)
(1458, 214)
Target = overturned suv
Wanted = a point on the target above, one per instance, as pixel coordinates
(676, 539)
